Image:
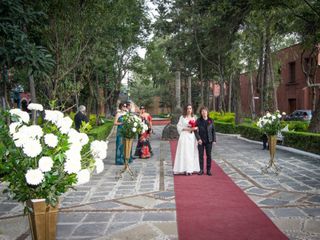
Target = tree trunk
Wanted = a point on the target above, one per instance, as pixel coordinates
(315, 120)
(213, 97)
(230, 94)
(97, 99)
(33, 97)
(260, 80)
(3, 88)
(253, 104)
(268, 96)
(237, 99)
(201, 82)
(178, 90)
(189, 90)
(76, 91)
(274, 86)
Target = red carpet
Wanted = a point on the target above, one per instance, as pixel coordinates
(159, 122)
(213, 207)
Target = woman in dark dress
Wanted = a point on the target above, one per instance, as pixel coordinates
(118, 121)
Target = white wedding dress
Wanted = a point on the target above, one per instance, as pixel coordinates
(187, 155)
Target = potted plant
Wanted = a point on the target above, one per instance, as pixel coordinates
(40, 163)
(270, 124)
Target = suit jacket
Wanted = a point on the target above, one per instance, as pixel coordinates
(205, 128)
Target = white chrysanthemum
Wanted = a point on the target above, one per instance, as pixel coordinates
(23, 116)
(45, 164)
(73, 136)
(283, 113)
(273, 117)
(32, 148)
(51, 140)
(34, 176)
(279, 116)
(84, 139)
(134, 129)
(268, 115)
(35, 106)
(34, 132)
(73, 155)
(64, 124)
(99, 149)
(13, 127)
(83, 176)
(135, 124)
(72, 166)
(53, 116)
(99, 165)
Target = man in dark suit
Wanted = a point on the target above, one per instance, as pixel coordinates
(80, 117)
(206, 136)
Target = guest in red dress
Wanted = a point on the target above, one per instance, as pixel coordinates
(143, 149)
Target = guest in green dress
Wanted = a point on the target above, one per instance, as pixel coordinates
(118, 121)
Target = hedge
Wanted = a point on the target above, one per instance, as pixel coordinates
(249, 131)
(309, 142)
(101, 132)
(223, 127)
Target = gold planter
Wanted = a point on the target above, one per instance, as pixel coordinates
(42, 220)
(272, 142)
(127, 145)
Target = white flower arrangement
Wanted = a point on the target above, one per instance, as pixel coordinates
(132, 126)
(52, 157)
(270, 123)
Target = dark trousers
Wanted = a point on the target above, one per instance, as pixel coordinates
(208, 148)
(264, 141)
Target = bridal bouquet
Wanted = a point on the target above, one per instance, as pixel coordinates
(270, 123)
(132, 126)
(43, 162)
(192, 123)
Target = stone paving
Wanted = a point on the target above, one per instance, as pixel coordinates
(291, 199)
(144, 208)
(111, 208)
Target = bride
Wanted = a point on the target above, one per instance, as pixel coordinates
(187, 155)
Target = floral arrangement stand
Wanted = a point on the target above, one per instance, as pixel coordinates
(272, 141)
(127, 145)
(41, 162)
(131, 127)
(42, 219)
(270, 125)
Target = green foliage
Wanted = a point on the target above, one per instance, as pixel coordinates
(298, 126)
(224, 127)
(222, 117)
(101, 132)
(249, 131)
(93, 120)
(309, 142)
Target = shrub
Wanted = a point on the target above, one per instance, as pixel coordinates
(101, 132)
(309, 142)
(249, 131)
(223, 127)
(222, 117)
(298, 126)
(93, 120)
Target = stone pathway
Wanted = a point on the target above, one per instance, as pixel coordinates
(110, 208)
(291, 199)
(144, 208)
